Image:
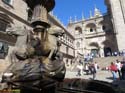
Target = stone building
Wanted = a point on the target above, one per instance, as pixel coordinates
(12, 16)
(100, 35)
(67, 46)
(116, 10)
(15, 14)
(94, 36)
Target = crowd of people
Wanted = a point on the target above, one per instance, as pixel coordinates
(118, 70)
(88, 68)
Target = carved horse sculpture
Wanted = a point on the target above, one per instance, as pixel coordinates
(50, 63)
(47, 45)
(51, 58)
(50, 43)
(23, 39)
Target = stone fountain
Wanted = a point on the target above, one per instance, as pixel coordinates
(36, 62)
(37, 65)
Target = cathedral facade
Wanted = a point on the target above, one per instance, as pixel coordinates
(100, 35)
(94, 36)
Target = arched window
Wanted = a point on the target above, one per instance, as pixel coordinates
(3, 26)
(3, 50)
(91, 30)
(103, 28)
(91, 27)
(78, 30)
(103, 25)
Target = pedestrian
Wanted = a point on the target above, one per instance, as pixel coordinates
(80, 69)
(118, 65)
(91, 57)
(85, 58)
(96, 66)
(87, 68)
(93, 71)
(123, 71)
(113, 70)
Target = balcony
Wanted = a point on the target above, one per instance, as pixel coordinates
(94, 34)
(100, 33)
(78, 36)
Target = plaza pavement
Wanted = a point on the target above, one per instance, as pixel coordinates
(101, 75)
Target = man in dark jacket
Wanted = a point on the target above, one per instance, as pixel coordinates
(93, 70)
(123, 71)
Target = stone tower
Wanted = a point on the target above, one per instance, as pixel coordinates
(116, 9)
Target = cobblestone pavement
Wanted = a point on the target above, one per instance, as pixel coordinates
(101, 75)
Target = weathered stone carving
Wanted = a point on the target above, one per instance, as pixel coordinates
(36, 60)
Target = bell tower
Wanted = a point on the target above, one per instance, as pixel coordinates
(116, 9)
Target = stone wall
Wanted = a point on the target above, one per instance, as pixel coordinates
(117, 9)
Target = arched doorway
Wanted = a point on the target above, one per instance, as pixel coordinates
(94, 52)
(95, 49)
(107, 51)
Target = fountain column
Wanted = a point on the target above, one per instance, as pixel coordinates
(40, 9)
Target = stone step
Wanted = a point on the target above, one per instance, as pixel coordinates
(106, 61)
(102, 62)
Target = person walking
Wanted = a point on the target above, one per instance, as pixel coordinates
(80, 69)
(113, 70)
(87, 68)
(96, 66)
(118, 65)
(123, 72)
(93, 71)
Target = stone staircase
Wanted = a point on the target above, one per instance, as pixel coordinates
(106, 61)
(102, 62)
